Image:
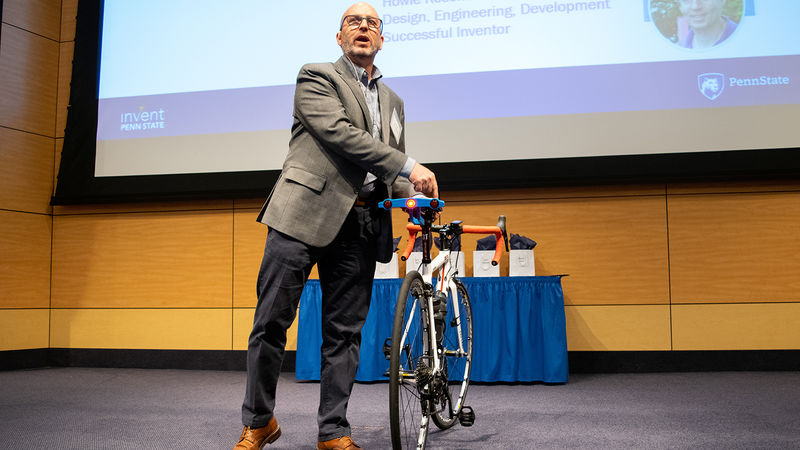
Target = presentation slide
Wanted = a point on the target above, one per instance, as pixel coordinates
(202, 86)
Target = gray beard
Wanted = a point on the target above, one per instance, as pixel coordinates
(351, 50)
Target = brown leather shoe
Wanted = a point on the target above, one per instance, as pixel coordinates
(257, 438)
(342, 443)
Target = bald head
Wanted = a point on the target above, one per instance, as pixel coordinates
(360, 9)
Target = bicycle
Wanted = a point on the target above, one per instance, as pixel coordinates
(429, 366)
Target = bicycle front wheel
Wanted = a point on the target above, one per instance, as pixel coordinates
(457, 348)
(409, 367)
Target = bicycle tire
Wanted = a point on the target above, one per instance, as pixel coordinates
(409, 413)
(458, 367)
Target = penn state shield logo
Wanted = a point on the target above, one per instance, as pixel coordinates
(711, 85)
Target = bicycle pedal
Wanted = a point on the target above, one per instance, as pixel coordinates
(466, 417)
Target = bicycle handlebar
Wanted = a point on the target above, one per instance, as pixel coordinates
(498, 231)
(434, 204)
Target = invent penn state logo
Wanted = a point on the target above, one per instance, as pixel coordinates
(711, 85)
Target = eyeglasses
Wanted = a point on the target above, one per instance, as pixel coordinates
(354, 22)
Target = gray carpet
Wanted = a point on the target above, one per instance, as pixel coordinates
(78, 408)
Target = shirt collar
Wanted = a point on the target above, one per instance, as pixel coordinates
(360, 73)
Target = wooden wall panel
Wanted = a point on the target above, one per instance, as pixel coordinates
(66, 50)
(25, 262)
(69, 11)
(28, 81)
(42, 17)
(753, 326)
(162, 329)
(492, 195)
(170, 259)
(622, 328)
(56, 164)
(612, 242)
(248, 247)
(614, 249)
(248, 203)
(26, 167)
(735, 187)
(735, 247)
(145, 207)
(22, 329)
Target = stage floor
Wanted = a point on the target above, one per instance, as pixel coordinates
(84, 408)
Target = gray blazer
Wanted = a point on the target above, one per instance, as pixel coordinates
(330, 151)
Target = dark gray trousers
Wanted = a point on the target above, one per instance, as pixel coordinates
(346, 270)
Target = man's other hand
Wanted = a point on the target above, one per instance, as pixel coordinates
(424, 180)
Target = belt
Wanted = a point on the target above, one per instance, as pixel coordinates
(367, 201)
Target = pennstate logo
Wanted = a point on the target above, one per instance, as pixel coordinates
(711, 85)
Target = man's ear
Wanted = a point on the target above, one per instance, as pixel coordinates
(339, 38)
(380, 46)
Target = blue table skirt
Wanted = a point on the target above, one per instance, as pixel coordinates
(519, 330)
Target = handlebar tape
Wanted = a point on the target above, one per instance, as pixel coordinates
(469, 229)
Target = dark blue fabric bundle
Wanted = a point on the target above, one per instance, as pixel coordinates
(519, 242)
(487, 243)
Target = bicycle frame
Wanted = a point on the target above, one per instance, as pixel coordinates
(446, 274)
(446, 271)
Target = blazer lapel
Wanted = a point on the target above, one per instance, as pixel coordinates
(347, 75)
(386, 112)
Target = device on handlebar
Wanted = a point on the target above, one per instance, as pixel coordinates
(413, 206)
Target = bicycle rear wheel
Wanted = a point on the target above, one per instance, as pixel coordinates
(409, 373)
(458, 358)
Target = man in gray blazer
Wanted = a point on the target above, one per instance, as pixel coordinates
(346, 153)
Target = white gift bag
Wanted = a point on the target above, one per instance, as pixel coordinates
(387, 270)
(482, 264)
(413, 261)
(520, 263)
(457, 259)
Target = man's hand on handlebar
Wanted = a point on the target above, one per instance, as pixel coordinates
(424, 180)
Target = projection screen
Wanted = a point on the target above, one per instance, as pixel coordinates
(204, 86)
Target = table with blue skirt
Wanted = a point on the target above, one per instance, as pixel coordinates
(518, 327)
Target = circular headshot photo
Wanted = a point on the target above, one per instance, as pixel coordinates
(696, 24)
